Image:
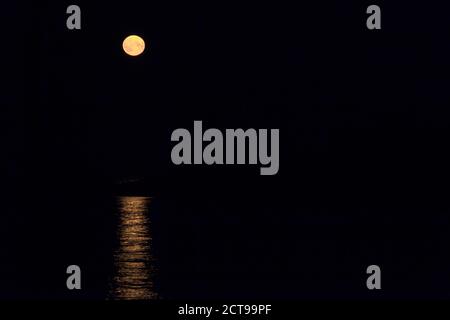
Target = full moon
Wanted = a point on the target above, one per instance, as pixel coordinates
(133, 45)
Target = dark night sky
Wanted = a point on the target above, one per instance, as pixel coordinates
(364, 126)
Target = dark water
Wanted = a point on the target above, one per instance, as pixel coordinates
(133, 261)
(183, 245)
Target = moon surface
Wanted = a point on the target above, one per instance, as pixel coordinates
(133, 45)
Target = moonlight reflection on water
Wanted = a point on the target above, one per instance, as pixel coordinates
(133, 262)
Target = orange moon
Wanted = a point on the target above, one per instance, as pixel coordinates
(133, 45)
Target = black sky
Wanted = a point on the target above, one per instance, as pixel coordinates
(363, 118)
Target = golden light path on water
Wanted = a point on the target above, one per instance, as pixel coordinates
(133, 269)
